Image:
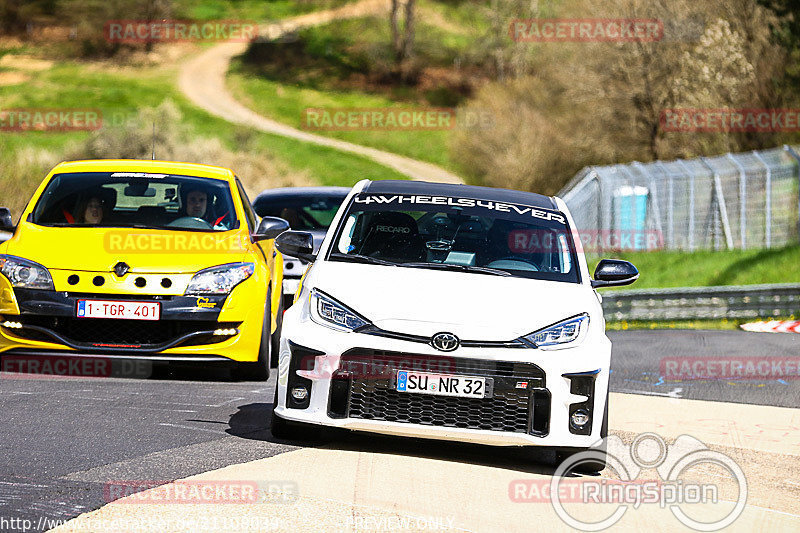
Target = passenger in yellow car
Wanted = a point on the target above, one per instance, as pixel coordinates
(90, 211)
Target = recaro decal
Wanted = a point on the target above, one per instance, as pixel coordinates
(392, 229)
(461, 202)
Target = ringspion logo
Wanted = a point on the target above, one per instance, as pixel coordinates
(688, 476)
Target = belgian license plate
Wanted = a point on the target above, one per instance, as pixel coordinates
(119, 309)
(442, 384)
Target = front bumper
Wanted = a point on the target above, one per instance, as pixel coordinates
(189, 328)
(350, 380)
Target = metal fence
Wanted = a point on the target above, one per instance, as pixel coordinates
(733, 302)
(745, 200)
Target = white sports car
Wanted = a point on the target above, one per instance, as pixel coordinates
(448, 312)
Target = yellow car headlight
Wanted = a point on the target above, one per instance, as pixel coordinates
(25, 274)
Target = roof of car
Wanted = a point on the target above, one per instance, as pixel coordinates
(145, 165)
(460, 191)
(301, 192)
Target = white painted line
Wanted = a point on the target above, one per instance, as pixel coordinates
(194, 428)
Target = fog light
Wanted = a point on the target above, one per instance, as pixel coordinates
(225, 332)
(579, 418)
(299, 393)
(12, 325)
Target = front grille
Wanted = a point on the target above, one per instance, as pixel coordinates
(372, 395)
(506, 411)
(93, 331)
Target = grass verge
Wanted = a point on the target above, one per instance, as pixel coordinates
(348, 64)
(119, 92)
(710, 268)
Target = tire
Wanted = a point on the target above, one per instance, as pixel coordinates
(595, 464)
(284, 430)
(275, 340)
(259, 370)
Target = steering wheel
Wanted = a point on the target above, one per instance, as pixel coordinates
(190, 223)
(514, 263)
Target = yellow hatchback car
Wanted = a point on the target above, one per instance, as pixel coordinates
(145, 260)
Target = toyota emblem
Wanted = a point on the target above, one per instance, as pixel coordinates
(445, 342)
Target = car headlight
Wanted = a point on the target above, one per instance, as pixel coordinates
(555, 336)
(326, 311)
(220, 279)
(25, 274)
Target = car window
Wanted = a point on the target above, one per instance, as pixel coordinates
(460, 233)
(127, 199)
(303, 212)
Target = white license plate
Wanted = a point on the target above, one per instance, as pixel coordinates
(441, 384)
(119, 309)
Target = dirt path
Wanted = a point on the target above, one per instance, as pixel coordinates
(202, 80)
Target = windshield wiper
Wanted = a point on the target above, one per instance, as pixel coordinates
(462, 268)
(358, 258)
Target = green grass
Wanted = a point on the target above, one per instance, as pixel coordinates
(347, 65)
(255, 10)
(287, 103)
(721, 324)
(709, 268)
(75, 85)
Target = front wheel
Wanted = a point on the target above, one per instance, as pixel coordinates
(285, 430)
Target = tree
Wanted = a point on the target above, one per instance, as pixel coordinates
(403, 41)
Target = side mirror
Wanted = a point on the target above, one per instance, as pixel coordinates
(269, 228)
(6, 222)
(297, 244)
(614, 273)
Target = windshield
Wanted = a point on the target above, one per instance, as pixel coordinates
(136, 200)
(460, 234)
(303, 213)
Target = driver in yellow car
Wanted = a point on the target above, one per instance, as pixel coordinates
(196, 203)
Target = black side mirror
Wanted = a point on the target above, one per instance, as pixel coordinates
(614, 273)
(269, 228)
(297, 244)
(6, 222)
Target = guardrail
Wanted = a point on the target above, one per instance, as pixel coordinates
(692, 303)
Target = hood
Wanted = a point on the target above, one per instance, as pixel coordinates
(472, 306)
(146, 251)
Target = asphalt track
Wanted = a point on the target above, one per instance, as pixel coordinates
(65, 440)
